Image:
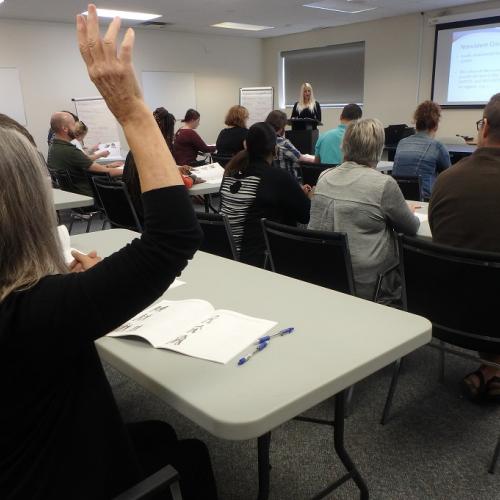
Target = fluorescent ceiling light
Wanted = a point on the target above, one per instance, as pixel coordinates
(136, 16)
(344, 6)
(239, 26)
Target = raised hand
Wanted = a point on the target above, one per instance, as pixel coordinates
(111, 71)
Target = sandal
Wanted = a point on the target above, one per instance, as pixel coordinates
(470, 390)
(492, 394)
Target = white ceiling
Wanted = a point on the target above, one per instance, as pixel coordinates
(196, 16)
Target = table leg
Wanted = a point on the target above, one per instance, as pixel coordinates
(340, 447)
(206, 199)
(263, 444)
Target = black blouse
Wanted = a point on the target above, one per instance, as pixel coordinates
(307, 113)
(230, 141)
(61, 432)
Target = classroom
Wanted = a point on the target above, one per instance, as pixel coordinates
(249, 249)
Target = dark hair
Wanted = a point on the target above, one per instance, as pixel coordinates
(7, 122)
(191, 115)
(427, 115)
(260, 143)
(351, 112)
(236, 116)
(492, 114)
(166, 122)
(277, 119)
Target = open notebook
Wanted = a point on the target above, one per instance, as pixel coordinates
(193, 327)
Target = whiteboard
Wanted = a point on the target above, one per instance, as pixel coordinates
(11, 97)
(173, 91)
(259, 101)
(102, 125)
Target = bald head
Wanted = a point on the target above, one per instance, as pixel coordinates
(63, 124)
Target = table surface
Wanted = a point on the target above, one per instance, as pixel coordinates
(338, 341)
(64, 200)
(424, 230)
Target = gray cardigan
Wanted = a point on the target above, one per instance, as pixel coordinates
(370, 208)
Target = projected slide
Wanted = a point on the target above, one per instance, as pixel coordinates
(467, 63)
(474, 65)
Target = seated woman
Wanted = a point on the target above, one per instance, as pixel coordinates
(81, 130)
(187, 142)
(421, 155)
(252, 188)
(66, 438)
(356, 199)
(231, 139)
(166, 123)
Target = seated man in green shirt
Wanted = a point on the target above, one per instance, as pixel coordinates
(328, 148)
(66, 156)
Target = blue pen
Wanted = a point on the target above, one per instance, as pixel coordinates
(267, 338)
(259, 348)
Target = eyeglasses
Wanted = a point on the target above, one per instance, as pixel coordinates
(479, 124)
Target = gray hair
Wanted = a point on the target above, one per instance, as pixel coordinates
(364, 141)
(29, 245)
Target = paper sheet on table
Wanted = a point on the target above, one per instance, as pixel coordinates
(211, 172)
(422, 217)
(194, 328)
(113, 148)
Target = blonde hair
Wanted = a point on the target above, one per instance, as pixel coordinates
(312, 101)
(364, 141)
(29, 244)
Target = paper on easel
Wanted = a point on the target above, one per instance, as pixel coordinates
(211, 172)
(193, 327)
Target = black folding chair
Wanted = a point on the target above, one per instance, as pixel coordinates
(310, 172)
(222, 160)
(457, 290)
(161, 481)
(86, 214)
(117, 205)
(318, 257)
(410, 187)
(217, 235)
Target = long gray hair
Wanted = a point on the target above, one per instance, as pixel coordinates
(29, 245)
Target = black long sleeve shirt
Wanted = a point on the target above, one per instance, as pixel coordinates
(61, 435)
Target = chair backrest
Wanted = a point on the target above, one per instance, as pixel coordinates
(53, 176)
(318, 257)
(217, 236)
(410, 187)
(456, 289)
(311, 171)
(221, 159)
(117, 205)
(90, 177)
(64, 180)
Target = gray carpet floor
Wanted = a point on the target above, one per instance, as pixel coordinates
(437, 445)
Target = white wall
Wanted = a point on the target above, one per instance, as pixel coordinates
(52, 71)
(392, 68)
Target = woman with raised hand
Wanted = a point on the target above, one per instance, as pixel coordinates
(63, 435)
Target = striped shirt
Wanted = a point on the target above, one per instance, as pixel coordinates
(260, 191)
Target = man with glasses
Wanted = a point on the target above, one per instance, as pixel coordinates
(464, 211)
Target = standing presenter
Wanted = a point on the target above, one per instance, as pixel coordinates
(307, 106)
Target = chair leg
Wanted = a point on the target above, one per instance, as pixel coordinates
(392, 389)
(494, 459)
(71, 225)
(441, 362)
(103, 224)
(348, 401)
(88, 224)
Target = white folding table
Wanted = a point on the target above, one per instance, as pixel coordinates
(338, 341)
(64, 200)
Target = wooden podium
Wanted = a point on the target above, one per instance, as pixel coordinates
(304, 134)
